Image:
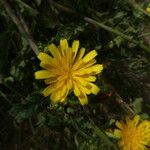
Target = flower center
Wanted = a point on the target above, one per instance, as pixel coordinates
(131, 136)
(69, 74)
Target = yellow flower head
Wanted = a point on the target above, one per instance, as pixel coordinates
(148, 8)
(133, 134)
(68, 69)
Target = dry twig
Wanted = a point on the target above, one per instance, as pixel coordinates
(21, 25)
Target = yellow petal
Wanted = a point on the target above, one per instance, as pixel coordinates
(63, 46)
(56, 70)
(117, 133)
(90, 63)
(80, 93)
(118, 124)
(69, 84)
(47, 91)
(83, 99)
(90, 56)
(90, 79)
(86, 86)
(75, 46)
(95, 69)
(128, 120)
(145, 127)
(43, 74)
(85, 90)
(81, 66)
(80, 54)
(95, 89)
(81, 81)
(54, 51)
(55, 97)
(68, 57)
(77, 65)
(148, 9)
(76, 90)
(136, 119)
(59, 94)
(60, 85)
(46, 65)
(64, 93)
(51, 80)
(44, 57)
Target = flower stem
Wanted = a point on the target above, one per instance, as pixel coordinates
(110, 29)
(138, 7)
(103, 136)
(78, 129)
(99, 132)
(21, 25)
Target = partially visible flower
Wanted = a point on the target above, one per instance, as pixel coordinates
(133, 134)
(68, 69)
(148, 8)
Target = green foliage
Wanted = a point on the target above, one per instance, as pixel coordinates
(31, 106)
(30, 119)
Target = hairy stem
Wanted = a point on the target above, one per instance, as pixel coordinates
(124, 105)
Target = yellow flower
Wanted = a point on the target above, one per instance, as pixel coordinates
(67, 70)
(133, 134)
(148, 9)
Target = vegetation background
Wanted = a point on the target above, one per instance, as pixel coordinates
(120, 32)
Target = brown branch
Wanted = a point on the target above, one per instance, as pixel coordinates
(124, 105)
(30, 38)
(22, 27)
(115, 31)
(121, 102)
(64, 8)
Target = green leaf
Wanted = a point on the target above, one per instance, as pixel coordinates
(33, 105)
(137, 105)
(38, 2)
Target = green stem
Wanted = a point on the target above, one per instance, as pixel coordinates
(79, 130)
(138, 7)
(144, 47)
(100, 133)
(103, 136)
(4, 96)
(110, 29)
(64, 8)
